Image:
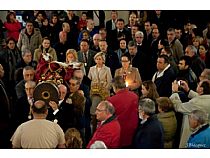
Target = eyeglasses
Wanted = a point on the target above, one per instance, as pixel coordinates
(125, 61)
(100, 110)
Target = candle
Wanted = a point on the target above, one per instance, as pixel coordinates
(126, 83)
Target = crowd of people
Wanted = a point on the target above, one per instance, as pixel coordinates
(145, 84)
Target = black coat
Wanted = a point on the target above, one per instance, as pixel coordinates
(149, 135)
(101, 17)
(21, 111)
(164, 82)
(112, 61)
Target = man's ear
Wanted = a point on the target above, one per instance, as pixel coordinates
(46, 112)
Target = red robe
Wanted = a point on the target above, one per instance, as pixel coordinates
(126, 109)
(108, 132)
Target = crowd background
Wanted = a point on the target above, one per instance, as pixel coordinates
(147, 49)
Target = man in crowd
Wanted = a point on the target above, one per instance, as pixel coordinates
(126, 105)
(109, 129)
(39, 132)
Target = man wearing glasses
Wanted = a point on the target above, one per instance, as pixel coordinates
(108, 129)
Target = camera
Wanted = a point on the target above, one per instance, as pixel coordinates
(179, 83)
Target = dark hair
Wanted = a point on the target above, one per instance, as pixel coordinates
(45, 38)
(119, 82)
(85, 40)
(8, 16)
(168, 50)
(39, 108)
(127, 56)
(84, 13)
(164, 42)
(165, 57)
(120, 19)
(187, 60)
(206, 87)
(151, 88)
(10, 39)
(29, 21)
(133, 12)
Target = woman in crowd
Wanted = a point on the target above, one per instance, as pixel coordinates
(100, 76)
(130, 74)
(45, 51)
(71, 56)
(149, 90)
(73, 139)
(168, 120)
(46, 28)
(122, 50)
(204, 54)
(12, 26)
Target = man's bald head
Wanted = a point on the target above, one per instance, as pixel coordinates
(39, 107)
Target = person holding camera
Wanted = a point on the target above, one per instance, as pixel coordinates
(199, 101)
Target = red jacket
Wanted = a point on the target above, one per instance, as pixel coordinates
(108, 132)
(13, 30)
(126, 109)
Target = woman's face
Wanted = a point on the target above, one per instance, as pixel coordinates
(11, 44)
(45, 22)
(144, 91)
(11, 17)
(196, 43)
(54, 19)
(125, 62)
(202, 50)
(123, 44)
(46, 43)
(85, 35)
(99, 60)
(84, 17)
(70, 58)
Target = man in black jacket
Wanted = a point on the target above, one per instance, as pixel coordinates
(186, 73)
(149, 134)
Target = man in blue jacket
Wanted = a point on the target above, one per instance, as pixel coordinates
(200, 137)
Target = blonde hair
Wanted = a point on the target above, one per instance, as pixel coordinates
(73, 52)
(73, 139)
(100, 54)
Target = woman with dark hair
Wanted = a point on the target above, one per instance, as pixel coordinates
(56, 27)
(46, 28)
(130, 74)
(9, 57)
(149, 90)
(123, 49)
(204, 54)
(12, 26)
(45, 51)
